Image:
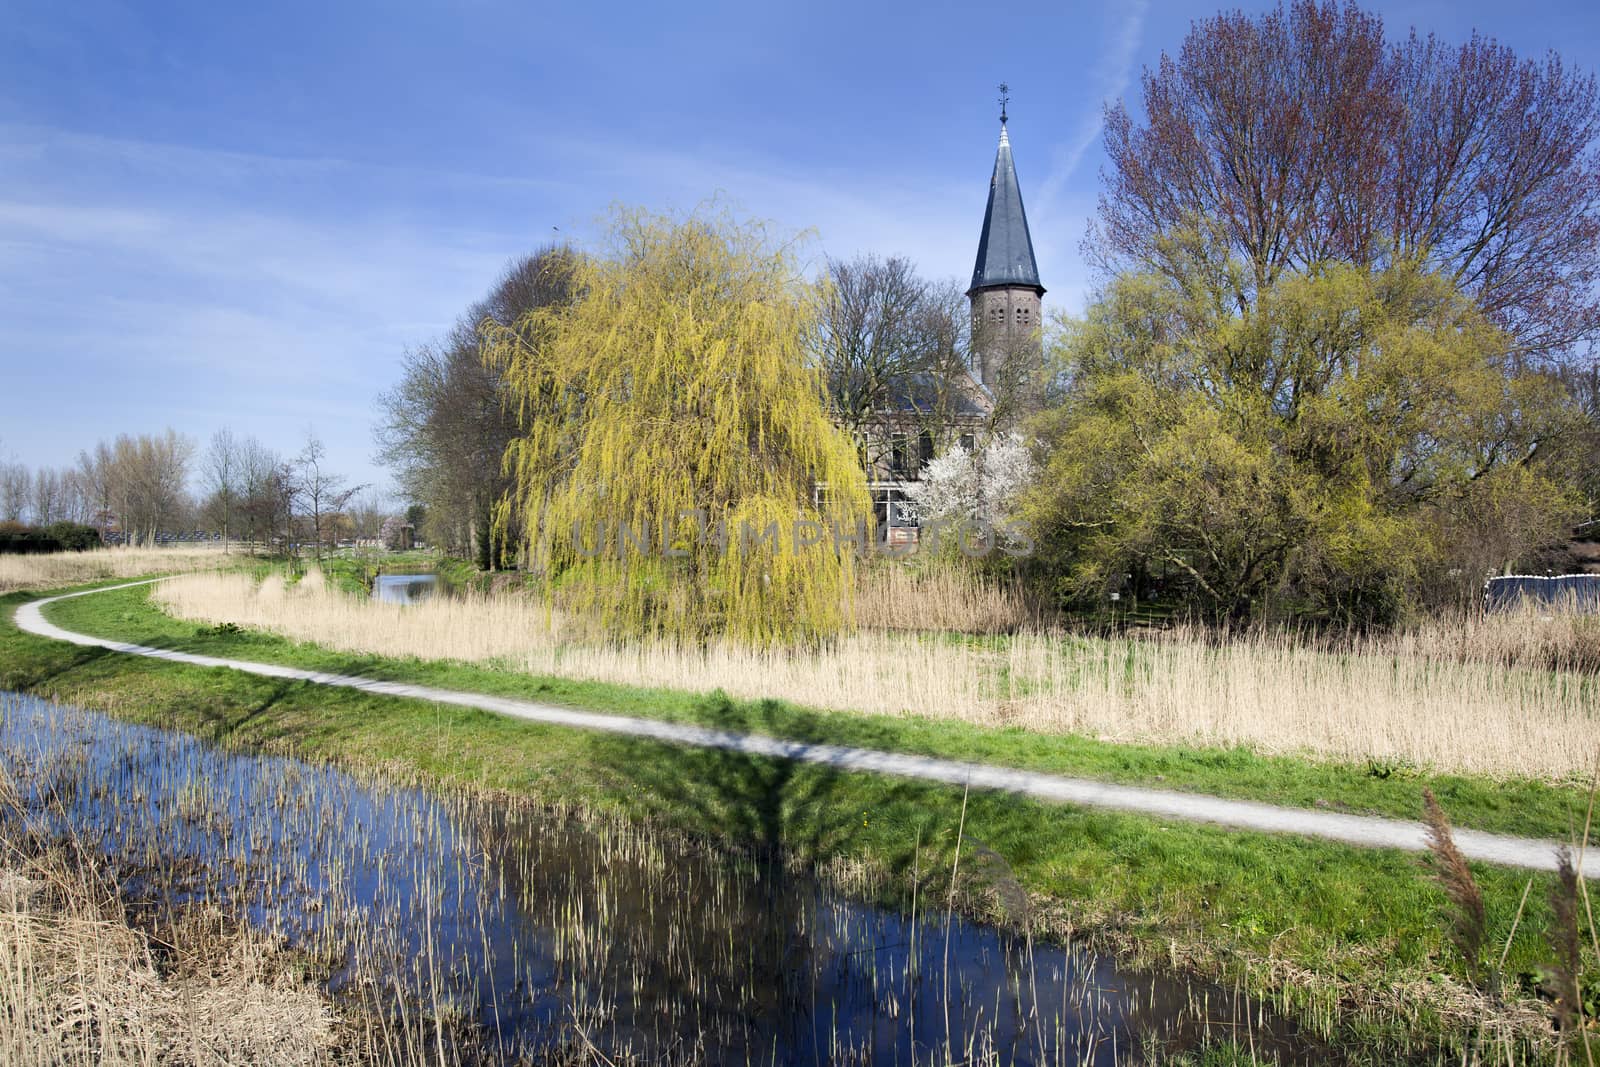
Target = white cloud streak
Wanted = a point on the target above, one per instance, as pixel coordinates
(1113, 75)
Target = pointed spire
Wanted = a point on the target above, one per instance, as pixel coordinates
(1005, 248)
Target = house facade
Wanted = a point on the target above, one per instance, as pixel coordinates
(927, 416)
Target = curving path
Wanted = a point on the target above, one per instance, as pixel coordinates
(1361, 830)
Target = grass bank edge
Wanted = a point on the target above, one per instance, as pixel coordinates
(1321, 927)
(1523, 807)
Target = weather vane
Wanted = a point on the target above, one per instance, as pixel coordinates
(1005, 98)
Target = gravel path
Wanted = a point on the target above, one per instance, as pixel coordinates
(1361, 830)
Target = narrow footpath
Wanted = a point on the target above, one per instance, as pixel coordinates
(1366, 831)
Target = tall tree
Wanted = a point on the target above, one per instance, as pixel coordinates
(367, 515)
(322, 493)
(94, 475)
(891, 343)
(445, 427)
(48, 497)
(260, 500)
(221, 476)
(675, 397)
(268, 496)
(145, 482)
(16, 487)
(75, 503)
(1347, 436)
(1300, 136)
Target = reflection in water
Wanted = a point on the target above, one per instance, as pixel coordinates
(545, 928)
(404, 588)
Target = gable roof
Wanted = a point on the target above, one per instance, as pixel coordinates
(919, 393)
(1005, 248)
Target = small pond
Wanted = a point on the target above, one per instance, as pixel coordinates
(404, 588)
(526, 925)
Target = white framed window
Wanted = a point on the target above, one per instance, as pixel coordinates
(895, 510)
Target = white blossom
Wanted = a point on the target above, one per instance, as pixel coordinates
(984, 484)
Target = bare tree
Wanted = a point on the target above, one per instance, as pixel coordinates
(94, 476)
(268, 494)
(256, 467)
(889, 342)
(75, 504)
(47, 497)
(16, 487)
(146, 481)
(221, 472)
(367, 515)
(870, 336)
(445, 427)
(1301, 136)
(322, 494)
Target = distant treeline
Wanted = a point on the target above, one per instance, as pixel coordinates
(153, 489)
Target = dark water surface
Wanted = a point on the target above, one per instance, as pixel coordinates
(536, 925)
(404, 588)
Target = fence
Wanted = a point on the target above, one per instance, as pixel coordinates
(1570, 592)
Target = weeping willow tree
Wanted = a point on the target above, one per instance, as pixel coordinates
(676, 472)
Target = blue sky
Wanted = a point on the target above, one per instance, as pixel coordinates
(239, 215)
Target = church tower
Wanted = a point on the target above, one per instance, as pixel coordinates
(1005, 290)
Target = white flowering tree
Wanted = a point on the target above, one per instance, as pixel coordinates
(984, 484)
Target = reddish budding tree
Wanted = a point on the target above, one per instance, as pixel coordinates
(1303, 135)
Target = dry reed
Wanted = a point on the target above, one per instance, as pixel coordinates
(78, 985)
(52, 570)
(1422, 699)
(1468, 919)
(1563, 980)
(941, 599)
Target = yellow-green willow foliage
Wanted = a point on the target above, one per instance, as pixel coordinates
(676, 453)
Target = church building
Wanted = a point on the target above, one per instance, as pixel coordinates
(1005, 296)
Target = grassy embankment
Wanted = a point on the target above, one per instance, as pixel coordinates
(1507, 805)
(1342, 933)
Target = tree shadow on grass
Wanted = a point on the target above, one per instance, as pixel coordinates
(23, 677)
(780, 809)
(225, 724)
(753, 814)
(763, 805)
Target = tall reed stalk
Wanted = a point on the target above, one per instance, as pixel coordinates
(1454, 697)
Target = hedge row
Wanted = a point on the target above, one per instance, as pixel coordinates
(57, 537)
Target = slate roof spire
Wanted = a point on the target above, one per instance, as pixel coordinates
(1005, 248)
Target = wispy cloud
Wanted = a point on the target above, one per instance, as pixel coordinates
(24, 144)
(205, 288)
(1063, 195)
(849, 211)
(1113, 75)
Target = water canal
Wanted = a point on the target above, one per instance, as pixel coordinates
(526, 926)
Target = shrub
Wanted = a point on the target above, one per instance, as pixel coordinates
(18, 539)
(73, 536)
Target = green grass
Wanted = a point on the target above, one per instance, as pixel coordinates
(1513, 806)
(1353, 926)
